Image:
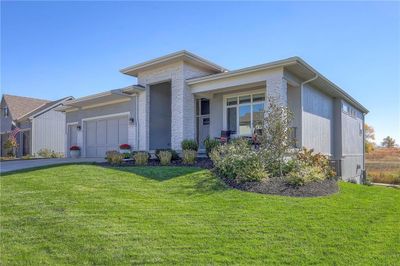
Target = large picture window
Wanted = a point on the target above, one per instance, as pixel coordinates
(244, 113)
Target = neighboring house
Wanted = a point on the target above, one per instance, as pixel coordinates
(41, 127)
(183, 96)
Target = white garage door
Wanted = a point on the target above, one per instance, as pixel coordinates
(105, 134)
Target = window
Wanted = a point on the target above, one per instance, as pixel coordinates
(5, 111)
(244, 113)
(348, 109)
(205, 107)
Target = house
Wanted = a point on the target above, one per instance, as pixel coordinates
(183, 96)
(41, 127)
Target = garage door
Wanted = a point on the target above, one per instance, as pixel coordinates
(105, 135)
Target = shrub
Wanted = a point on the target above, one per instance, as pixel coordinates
(141, 158)
(74, 148)
(165, 157)
(189, 156)
(303, 173)
(133, 153)
(46, 153)
(236, 160)
(10, 145)
(114, 157)
(126, 155)
(308, 157)
(175, 155)
(308, 166)
(189, 144)
(210, 144)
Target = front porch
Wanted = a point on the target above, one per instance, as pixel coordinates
(239, 110)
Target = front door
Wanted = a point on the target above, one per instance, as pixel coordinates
(26, 140)
(203, 121)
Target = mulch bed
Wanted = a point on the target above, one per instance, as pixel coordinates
(273, 186)
(278, 186)
(200, 162)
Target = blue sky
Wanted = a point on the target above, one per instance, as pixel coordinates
(54, 49)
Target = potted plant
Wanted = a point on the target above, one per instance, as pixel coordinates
(75, 151)
(125, 148)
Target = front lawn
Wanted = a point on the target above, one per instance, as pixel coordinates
(86, 214)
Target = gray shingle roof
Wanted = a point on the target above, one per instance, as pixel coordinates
(19, 106)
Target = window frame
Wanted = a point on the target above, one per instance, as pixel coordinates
(237, 106)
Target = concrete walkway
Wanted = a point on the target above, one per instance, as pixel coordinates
(7, 166)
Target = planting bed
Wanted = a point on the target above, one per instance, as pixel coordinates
(278, 186)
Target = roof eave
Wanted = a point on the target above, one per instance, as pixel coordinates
(184, 55)
(344, 94)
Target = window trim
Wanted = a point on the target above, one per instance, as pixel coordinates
(225, 106)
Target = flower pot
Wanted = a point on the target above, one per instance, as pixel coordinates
(124, 150)
(75, 154)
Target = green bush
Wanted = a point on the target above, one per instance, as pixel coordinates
(134, 153)
(141, 158)
(10, 145)
(175, 155)
(303, 173)
(114, 157)
(189, 156)
(126, 155)
(308, 157)
(189, 144)
(210, 144)
(165, 157)
(236, 160)
(308, 166)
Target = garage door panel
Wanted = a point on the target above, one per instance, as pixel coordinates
(104, 135)
(112, 132)
(101, 132)
(91, 133)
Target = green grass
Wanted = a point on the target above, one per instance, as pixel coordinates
(85, 214)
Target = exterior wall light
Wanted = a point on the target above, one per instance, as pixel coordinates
(132, 120)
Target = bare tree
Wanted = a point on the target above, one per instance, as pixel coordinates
(276, 139)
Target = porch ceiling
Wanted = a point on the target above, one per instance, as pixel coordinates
(233, 89)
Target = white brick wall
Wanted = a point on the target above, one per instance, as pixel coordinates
(174, 73)
(277, 88)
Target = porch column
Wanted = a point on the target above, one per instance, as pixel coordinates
(277, 89)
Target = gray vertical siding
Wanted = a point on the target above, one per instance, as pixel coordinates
(294, 104)
(352, 129)
(317, 120)
(48, 132)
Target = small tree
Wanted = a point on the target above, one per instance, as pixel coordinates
(10, 145)
(276, 139)
(388, 142)
(369, 138)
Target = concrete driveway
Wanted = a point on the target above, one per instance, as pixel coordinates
(7, 166)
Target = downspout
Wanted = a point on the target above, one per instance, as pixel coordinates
(137, 120)
(364, 173)
(301, 102)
